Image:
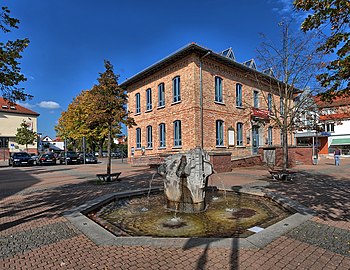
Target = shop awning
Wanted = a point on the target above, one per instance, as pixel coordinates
(260, 114)
(344, 141)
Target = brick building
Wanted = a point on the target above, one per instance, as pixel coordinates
(198, 98)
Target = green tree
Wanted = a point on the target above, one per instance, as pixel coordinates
(10, 53)
(24, 135)
(74, 123)
(109, 107)
(331, 18)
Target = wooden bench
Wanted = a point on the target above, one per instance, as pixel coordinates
(282, 174)
(108, 178)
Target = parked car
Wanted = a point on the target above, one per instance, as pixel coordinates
(34, 158)
(89, 158)
(118, 154)
(70, 157)
(47, 158)
(20, 158)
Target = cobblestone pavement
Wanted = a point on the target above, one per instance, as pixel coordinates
(35, 235)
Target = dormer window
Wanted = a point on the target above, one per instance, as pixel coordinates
(5, 107)
(12, 107)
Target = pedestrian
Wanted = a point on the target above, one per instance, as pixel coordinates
(337, 156)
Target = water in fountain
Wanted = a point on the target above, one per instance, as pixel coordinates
(145, 209)
(186, 212)
(223, 189)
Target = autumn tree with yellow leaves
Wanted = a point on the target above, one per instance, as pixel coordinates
(97, 114)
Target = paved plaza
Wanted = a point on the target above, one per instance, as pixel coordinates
(35, 234)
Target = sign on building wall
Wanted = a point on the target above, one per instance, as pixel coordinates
(231, 137)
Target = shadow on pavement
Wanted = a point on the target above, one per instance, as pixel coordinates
(52, 202)
(326, 194)
(14, 181)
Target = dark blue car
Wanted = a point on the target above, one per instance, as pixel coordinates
(20, 159)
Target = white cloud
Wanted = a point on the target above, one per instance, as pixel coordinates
(285, 8)
(282, 7)
(49, 105)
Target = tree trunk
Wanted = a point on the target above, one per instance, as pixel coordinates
(109, 143)
(285, 148)
(100, 147)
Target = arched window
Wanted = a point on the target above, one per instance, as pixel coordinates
(176, 89)
(219, 133)
(218, 89)
(269, 103)
(239, 134)
(137, 103)
(138, 138)
(281, 106)
(239, 102)
(149, 137)
(256, 99)
(269, 136)
(148, 99)
(162, 135)
(177, 133)
(161, 95)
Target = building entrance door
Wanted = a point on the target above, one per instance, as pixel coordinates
(255, 138)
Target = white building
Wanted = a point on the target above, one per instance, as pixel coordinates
(11, 117)
(335, 118)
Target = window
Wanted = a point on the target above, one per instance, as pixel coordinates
(329, 127)
(256, 99)
(281, 106)
(162, 142)
(138, 138)
(148, 99)
(4, 142)
(149, 137)
(161, 95)
(138, 104)
(269, 103)
(281, 134)
(239, 134)
(176, 89)
(269, 136)
(239, 95)
(177, 133)
(219, 133)
(218, 89)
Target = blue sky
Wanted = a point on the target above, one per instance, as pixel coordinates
(69, 39)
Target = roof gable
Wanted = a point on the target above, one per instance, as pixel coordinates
(9, 107)
(250, 63)
(229, 54)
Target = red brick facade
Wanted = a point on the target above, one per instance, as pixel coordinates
(188, 68)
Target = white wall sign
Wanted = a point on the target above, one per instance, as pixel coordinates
(231, 137)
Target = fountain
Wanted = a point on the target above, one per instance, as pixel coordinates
(186, 209)
(185, 181)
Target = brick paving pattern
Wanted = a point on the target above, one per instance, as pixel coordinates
(35, 235)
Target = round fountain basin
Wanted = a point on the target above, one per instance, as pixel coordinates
(228, 214)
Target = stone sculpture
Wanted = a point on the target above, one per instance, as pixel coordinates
(185, 180)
